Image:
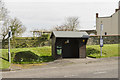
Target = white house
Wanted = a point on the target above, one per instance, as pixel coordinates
(111, 24)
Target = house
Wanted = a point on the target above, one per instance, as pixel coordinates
(111, 24)
(69, 44)
(38, 33)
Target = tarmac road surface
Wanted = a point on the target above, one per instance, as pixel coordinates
(70, 68)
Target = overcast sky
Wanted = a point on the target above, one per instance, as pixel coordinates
(46, 14)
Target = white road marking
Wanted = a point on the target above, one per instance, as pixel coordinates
(66, 76)
(70, 76)
(49, 68)
(73, 75)
(8, 71)
(100, 72)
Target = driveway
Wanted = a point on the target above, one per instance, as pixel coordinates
(70, 68)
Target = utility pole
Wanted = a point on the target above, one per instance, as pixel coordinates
(101, 40)
(9, 55)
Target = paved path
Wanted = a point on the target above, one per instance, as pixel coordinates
(70, 68)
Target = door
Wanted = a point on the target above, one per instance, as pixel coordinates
(70, 49)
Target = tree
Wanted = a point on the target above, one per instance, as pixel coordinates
(70, 25)
(16, 27)
(3, 11)
(5, 29)
(61, 28)
(4, 18)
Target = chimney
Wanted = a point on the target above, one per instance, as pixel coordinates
(118, 7)
(97, 15)
(116, 10)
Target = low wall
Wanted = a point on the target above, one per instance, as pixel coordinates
(21, 42)
(108, 39)
(31, 42)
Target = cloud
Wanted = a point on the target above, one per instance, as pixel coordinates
(36, 14)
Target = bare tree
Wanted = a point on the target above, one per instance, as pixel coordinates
(5, 28)
(70, 25)
(61, 28)
(15, 24)
(3, 11)
(3, 19)
(16, 27)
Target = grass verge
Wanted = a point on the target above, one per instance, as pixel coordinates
(26, 56)
(108, 50)
(43, 54)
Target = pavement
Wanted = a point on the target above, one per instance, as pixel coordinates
(68, 68)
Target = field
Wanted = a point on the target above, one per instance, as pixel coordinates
(43, 54)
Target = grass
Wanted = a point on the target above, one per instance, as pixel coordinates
(4, 64)
(108, 50)
(26, 56)
(43, 54)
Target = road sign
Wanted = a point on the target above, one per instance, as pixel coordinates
(10, 34)
(101, 42)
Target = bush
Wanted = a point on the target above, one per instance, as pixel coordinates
(25, 56)
(22, 42)
(42, 44)
(24, 45)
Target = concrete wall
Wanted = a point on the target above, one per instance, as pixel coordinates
(110, 24)
(119, 22)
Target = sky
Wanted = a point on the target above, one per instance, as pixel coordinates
(46, 14)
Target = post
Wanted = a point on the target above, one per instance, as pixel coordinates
(101, 52)
(101, 40)
(9, 55)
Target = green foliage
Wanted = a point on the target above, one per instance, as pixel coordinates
(24, 45)
(26, 42)
(41, 40)
(42, 44)
(25, 56)
(108, 50)
(4, 64)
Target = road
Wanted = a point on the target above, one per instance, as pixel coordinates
(70, 68)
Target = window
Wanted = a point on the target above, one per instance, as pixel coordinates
(105, 33)
(59, 50)
(67, 41)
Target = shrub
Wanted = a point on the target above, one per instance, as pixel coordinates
(24, 45)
